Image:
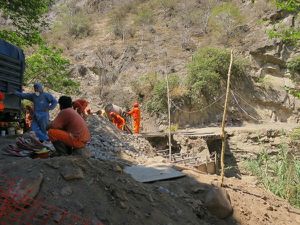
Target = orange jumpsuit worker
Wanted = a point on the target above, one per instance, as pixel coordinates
(28, 117)
(82, 107)
(118, 120)
(68, 127)
(136, 115)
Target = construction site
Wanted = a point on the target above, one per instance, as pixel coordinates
(149, 112)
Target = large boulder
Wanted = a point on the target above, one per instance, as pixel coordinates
(218, 202)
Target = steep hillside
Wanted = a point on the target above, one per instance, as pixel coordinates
(122, 50)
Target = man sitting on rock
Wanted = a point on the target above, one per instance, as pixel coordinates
(68, 131)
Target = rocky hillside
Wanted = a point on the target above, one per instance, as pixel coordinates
(116, 47)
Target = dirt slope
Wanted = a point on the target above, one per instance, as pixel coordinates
(100, 191)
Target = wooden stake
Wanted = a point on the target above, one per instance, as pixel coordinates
(224, 118)
(169, 117)
(169, 106)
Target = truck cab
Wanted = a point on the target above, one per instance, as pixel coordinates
(12, 67)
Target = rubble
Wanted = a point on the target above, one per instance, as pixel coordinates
(108, 142)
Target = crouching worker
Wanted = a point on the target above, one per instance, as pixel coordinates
(118, 120)
(68, 131)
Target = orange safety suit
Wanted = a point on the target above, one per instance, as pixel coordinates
(119, 121)
(136, 115)
(28, 117)
(70, 128)
(82, 107)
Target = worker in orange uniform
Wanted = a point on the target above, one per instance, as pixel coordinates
(28, 117)
(82, 107)
(118, 120)
(136, 115)
(68, 130)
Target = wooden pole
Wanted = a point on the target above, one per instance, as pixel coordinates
(169, 118)
(224, 118)
(169, 107)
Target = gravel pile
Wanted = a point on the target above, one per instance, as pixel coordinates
(108, 142)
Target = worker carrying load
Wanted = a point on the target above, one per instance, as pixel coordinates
(82, 107)
(136, 115)
(114, 108)
(118, 120)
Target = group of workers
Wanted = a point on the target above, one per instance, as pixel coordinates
(120, 122)
(69, 129)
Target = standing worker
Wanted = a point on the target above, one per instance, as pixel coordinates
(136, 115)
(82, 107)
(118, 120)
(42, 103)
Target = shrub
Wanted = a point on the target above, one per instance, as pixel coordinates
(159, 100)
(295, 134)
(279, 174)
(118, 23)
(48, 66)
(73, 22)
(79, 25)
(224, 18)
(145, 84)
(294, 67)
(144, 16)
(289, 6)
(168, 6)
(208, 71)
(290, 36)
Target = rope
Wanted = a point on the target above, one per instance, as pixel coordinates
(178, 108)
(239, 95)
(243, 109)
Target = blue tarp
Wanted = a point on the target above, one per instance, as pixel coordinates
(11, 50)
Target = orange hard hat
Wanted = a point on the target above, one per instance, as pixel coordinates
(136, 104)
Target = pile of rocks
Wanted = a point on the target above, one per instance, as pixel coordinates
(108, 142)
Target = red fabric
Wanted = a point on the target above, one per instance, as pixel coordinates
(65, 137)
(118, 121)
(71, 122)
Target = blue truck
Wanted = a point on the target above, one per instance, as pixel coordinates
(12, 67)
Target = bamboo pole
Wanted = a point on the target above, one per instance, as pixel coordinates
(223, 135)
(169, 107)
(169, 118)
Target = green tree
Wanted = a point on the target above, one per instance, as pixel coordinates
(48, 66)
(26, 18)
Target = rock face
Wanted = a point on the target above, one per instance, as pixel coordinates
(218, 202)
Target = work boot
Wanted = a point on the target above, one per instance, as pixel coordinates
(61, 148)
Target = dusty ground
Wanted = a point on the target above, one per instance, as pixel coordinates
(99, 190)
